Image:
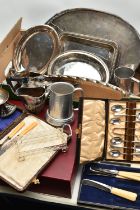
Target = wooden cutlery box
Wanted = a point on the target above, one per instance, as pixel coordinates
(109, 130)
(92, 196)
(108, 138)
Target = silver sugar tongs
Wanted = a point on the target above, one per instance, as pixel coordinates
(118, 174)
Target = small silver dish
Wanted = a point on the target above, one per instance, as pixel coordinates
(5, 108)
(4, 95)
(79, 63)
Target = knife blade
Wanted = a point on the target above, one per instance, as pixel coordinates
(126, 174)
(113, 190)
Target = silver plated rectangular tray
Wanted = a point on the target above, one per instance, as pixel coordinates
(105, 49)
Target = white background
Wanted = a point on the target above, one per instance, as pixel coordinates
(36, 12)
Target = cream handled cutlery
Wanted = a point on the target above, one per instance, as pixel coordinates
(126, 174)
(113, 190)
(22, 133)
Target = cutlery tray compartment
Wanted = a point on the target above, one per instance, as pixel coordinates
(26, 154)
(123, 136)
(91, 196)
(109, 130)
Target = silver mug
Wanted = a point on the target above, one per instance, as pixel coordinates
(60, 109)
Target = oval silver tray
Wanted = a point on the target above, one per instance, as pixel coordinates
(101, 25)
(79, 63)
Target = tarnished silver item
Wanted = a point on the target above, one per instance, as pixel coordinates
(124, 78)
(37, 46)
(104, 25)
(32, 97)
(6, 109)
(107, 50)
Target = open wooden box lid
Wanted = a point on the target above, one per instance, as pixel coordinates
(7, 47)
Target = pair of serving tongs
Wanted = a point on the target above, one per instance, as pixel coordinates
(115, 173)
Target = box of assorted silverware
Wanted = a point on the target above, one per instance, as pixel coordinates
(108, 137)
(110, 186)
(25, 141)
(109, 129)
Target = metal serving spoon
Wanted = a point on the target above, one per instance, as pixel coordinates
(117, 153)
(117, 141)
(118, 108)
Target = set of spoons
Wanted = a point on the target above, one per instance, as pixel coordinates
(116, 143)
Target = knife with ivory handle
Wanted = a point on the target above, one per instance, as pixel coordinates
(113, 190)
(22, 133)
(123, 174)
(13, 132)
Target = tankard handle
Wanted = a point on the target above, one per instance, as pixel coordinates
(135, 80)
(80, 90)
(81, 94)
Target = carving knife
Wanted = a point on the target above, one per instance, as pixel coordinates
(113, 190)
(22, 133)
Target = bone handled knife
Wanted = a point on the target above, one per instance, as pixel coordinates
(22, 133)
(113, 190)
(123, 174)
(13, 132)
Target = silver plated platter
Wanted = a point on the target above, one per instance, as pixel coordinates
(37, 46)
(102, 25)
(79, 63)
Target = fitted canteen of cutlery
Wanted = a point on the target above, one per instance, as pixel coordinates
(123, 136)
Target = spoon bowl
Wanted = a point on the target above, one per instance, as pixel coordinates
(119, 108)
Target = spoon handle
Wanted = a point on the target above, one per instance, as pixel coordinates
(119, 114)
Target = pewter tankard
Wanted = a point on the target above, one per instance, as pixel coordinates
(124, 78)
(61, 103)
